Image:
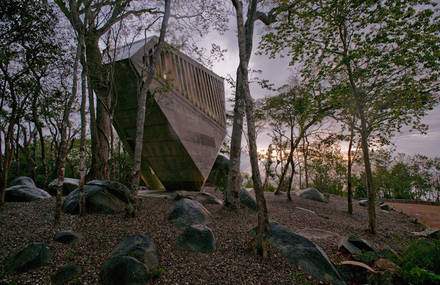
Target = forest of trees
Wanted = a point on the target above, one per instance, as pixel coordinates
(366, 69)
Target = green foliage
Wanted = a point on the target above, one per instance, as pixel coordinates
(249, 183)
(69, 255)
(420, 263)
(368, 257)
(269, 187)
(158, 272)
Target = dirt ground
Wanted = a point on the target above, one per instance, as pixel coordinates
(232, 263)
(428, 214)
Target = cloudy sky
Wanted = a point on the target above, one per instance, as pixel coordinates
(278, 72)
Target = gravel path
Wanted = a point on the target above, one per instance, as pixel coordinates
(232, 263)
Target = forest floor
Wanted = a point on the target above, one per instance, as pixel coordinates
(232, 263)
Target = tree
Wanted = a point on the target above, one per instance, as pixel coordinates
(243, 99)
(63, 143)
(387, 53)
(296, 109)
(146, 77)
(27, 50)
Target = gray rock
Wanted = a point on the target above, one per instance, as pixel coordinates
(66, 237)
(207, 198)
(362, 244)
(188, 212)
(124, 270)
(102, 197)
(66, 274)
(247, 199)
(363, 203)
(174, 196)
(435, 235)
(33, 256)
(301, 251)
(345, 245)
(311, 194)
(140, 247)
(198, 238)
(385, 207)
(219, 172)
(24, 193)
(23, 180)
(69, 185)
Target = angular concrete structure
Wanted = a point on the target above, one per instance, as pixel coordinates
(185, 117)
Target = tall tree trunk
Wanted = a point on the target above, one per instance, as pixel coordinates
(231, 199)
(82, 144)
(245, 33)
(349, 165)
(93, 131)
(359, 104)
(63, 143)
(146, 80)
(103, 127)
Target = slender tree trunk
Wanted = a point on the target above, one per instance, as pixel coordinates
(6, 163)
(359, 104)
(63, 143)
(43, 150)
(245, 36)
(349, 165)
(292, 165)
(305, 153)
(231, 199)
(146, 80)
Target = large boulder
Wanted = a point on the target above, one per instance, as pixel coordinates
(187, 212)
(207, 198)
(66, 274)
(102, 197)
(311, 194)
(66, 237)
(363, 203)
(140, 247)
(33, 256)
(219, 172)
(248, 199)
(25, 193)
(69, 185)
(23, 180)
(301, 251)
(124, 270)
(198, 238)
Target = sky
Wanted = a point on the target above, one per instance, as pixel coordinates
(278, 72)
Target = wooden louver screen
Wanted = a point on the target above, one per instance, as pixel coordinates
(198, 85)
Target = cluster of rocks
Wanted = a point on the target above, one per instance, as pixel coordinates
(193, 217)
(37, 254)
